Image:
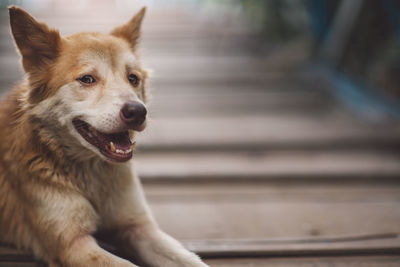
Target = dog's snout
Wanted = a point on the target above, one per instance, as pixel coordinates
(133, 114)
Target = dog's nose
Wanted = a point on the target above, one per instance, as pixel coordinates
(133, 114)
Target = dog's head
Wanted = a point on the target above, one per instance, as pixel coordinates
(88, 87)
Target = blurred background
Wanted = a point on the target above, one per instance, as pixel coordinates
(270, 120)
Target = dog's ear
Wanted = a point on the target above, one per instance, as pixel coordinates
(37, 43)
(131, 30)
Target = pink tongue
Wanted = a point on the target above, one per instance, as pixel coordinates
(120, 140)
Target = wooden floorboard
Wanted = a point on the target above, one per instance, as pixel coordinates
(370, 245)
(264, 210)
(210, 166)
(265, 132)
(362, 245)
(366, 261)
(279, 251)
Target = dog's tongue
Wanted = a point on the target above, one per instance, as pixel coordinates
(119, 140)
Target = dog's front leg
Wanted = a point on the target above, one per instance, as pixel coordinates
(62, 222)
(157, 249)
(83, 251)
(139, 235)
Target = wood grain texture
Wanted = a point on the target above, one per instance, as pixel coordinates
(244, 166)
(379, 244)
(366, 261)
(364, 245)
(220, 210)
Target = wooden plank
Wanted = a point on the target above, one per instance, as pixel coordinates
(383, 244)
(362, 245)
(268, 165)
(347, 167)
(215, 218)
(274, 210)
(320, 191)
(237, 104)
(265, 132)
(365, 261)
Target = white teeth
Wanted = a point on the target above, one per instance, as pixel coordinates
(119, 151)
(113, 147)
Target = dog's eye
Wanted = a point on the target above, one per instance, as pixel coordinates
(133, 79)
(87, 79)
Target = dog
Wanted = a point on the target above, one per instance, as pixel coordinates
(67, 134)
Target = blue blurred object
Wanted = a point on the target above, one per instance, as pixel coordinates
(357, 95)
(361, 98)
(319, 18)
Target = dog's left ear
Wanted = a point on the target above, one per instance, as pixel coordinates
(131, 30)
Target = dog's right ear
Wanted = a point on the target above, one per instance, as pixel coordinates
(37, 43)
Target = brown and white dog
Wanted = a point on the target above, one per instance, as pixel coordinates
(66, 143)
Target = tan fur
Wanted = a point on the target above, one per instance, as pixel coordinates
(55, 191)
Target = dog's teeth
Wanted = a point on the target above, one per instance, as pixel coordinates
(119, 151)
(113, 147)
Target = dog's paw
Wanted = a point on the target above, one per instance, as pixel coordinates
(185, 258)
(191, 261)
(181, 259)
(165, 251)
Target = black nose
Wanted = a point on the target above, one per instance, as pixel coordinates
(133, 114)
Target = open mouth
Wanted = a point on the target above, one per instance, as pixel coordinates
(116, 146)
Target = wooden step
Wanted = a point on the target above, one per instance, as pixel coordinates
(265, 132)
(237, 103)
(268, 165)
(261, 210)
